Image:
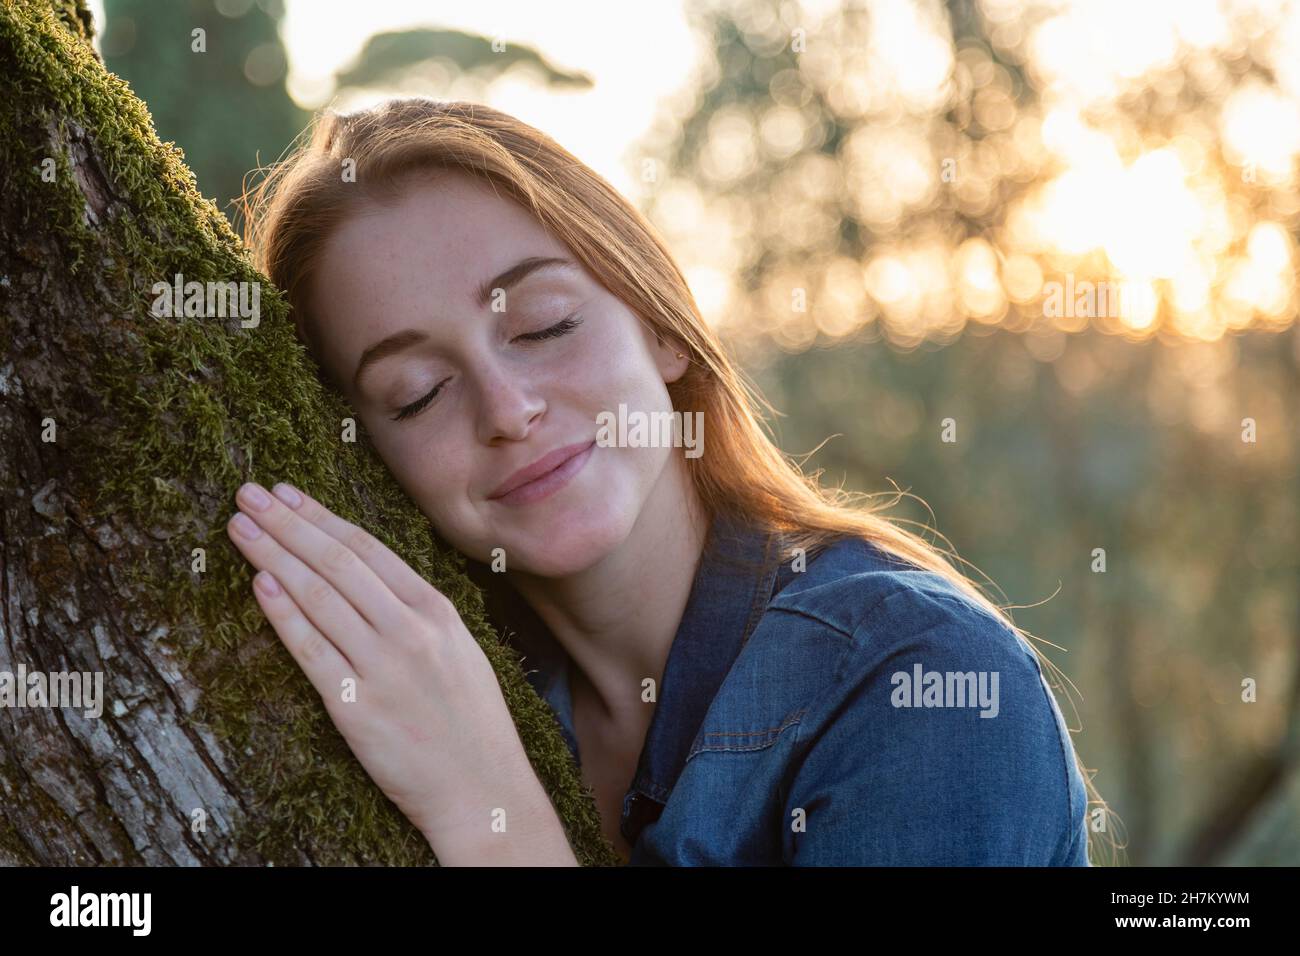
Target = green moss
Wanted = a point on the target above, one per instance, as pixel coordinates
(76, 17)
(188, 409)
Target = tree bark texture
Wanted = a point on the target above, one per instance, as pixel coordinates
(124, 438)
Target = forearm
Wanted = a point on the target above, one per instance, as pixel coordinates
(514, 825)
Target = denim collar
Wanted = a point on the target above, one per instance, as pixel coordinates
(732, 586)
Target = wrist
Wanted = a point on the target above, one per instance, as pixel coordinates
(513, 825)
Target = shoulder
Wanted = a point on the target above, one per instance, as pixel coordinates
(858, 622)
(853, 580)
(872, 605)
(919, 709)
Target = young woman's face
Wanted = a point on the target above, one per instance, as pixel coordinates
(508, 387)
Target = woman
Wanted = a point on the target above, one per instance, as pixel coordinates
(748, 670)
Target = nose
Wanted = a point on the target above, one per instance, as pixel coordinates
(508, 404)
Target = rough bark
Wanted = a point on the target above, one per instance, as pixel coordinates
(156, 423)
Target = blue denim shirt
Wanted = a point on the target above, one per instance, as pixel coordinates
(797, 722)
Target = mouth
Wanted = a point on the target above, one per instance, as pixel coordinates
(545, 476)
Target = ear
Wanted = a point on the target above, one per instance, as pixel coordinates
(672, 358)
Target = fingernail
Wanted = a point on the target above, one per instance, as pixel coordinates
(255, 497)
(267, 584)
(246, 526)
(288, 494)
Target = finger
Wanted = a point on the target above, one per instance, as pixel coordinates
(392, 570)
(325, 607)
(328, 557)
(322, 662)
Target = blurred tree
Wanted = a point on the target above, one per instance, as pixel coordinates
(221, 95)
(398, 61)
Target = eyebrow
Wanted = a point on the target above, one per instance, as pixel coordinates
(400, 341)
(518, 271)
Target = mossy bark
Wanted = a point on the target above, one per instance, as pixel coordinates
(156, 422)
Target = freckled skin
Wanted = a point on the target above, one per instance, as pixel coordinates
(416, 263)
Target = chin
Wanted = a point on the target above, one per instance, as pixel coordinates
(559, 541)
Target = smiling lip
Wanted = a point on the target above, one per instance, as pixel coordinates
(543, 466)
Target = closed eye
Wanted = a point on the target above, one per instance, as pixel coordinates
(563, 327)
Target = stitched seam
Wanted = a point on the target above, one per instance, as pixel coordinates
(797, 612)
(866, 615)
(751, 733)
(763, 596)
(775, 732)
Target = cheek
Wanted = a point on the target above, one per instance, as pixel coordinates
(432, 472)
(647, 463)
(613, 366)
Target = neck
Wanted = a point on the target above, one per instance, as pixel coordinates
(617, 618)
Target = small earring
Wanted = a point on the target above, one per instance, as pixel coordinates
(681, 355)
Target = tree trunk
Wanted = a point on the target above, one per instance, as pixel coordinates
(124, 437)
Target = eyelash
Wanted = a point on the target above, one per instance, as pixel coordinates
(563, 327)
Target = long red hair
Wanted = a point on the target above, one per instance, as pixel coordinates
(290, 213)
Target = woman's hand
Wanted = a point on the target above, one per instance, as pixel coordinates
(400, 675)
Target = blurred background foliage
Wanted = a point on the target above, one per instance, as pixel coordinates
(900, 213)
(219, 96)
